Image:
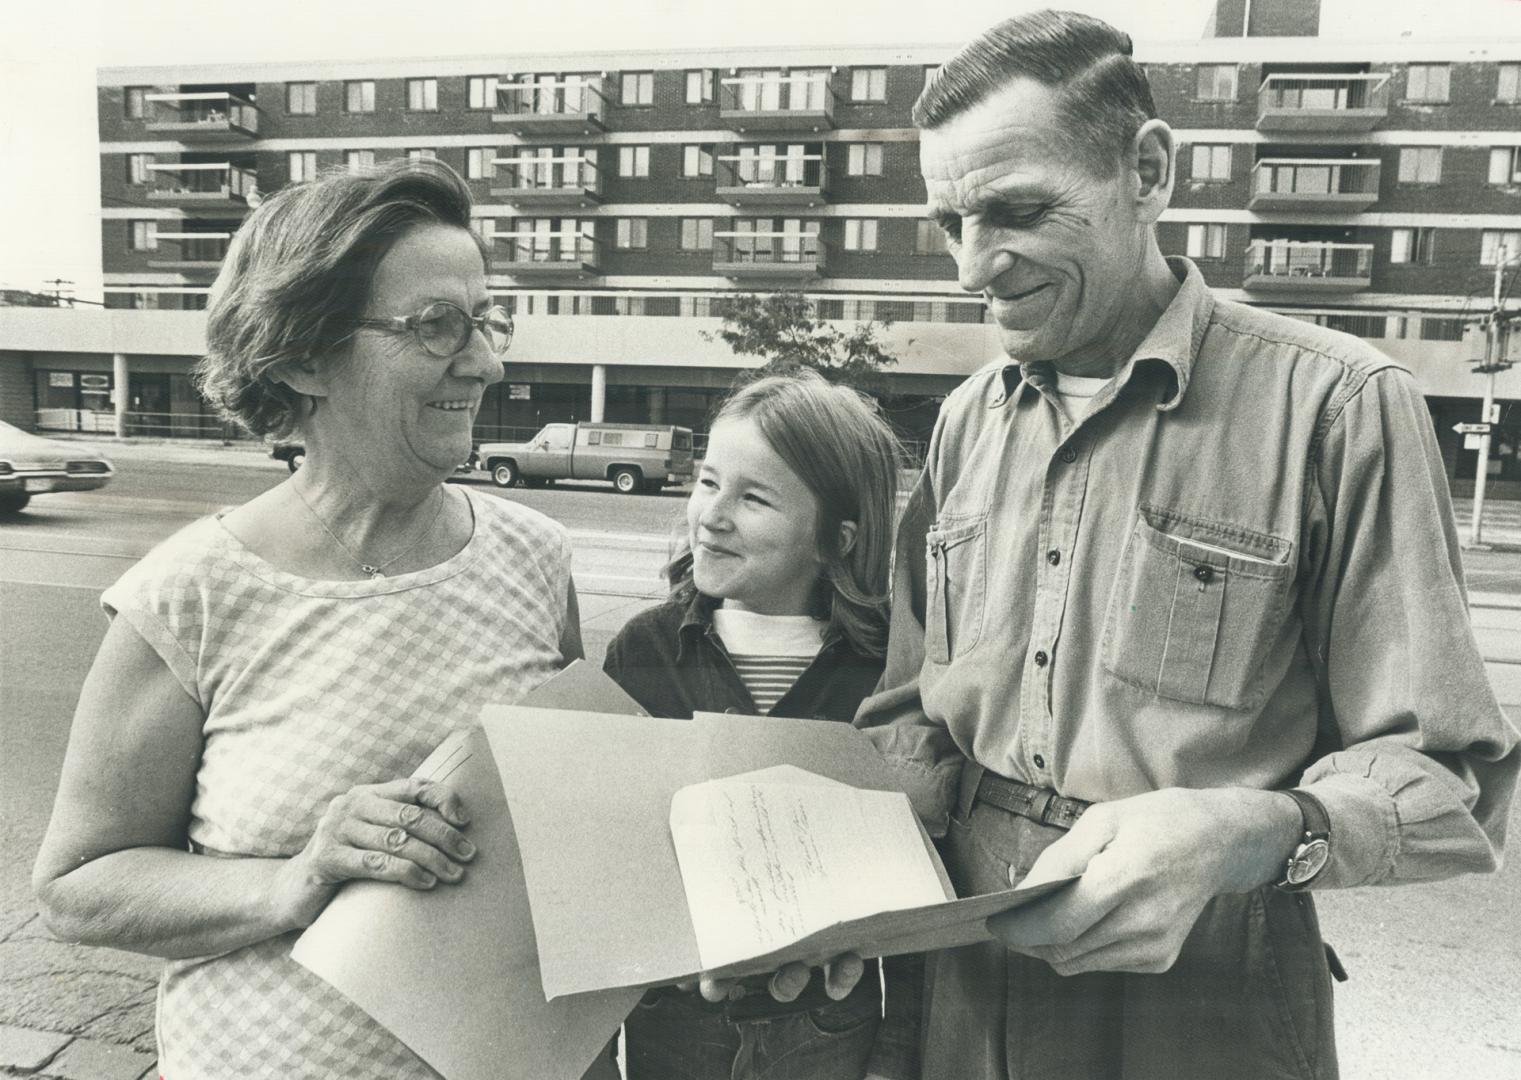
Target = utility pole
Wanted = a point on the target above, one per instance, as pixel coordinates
(1494, 362)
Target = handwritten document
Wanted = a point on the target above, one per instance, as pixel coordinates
(769, 857)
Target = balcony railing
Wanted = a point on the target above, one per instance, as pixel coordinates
(573, 105)
(197, 250)
(777, 102)
(547, 255)
(1309, 102)
(773, 179)
(567, 180)
(1308, 266)
(773, 255)
(211, 114)
(216, 184)
(1314, 183)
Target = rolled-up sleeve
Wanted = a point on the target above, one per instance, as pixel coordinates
(1421, 763)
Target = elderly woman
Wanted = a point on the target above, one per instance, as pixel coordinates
(273, 674)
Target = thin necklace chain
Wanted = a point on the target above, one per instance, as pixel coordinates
(374, 570)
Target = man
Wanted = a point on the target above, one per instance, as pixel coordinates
(1178, 608)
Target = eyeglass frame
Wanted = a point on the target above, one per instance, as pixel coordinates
(403, 324)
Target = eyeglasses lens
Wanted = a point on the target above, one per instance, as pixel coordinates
(443, 329)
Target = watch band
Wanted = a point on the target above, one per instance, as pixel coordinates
(1313, 852)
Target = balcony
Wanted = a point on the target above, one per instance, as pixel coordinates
(197, 250)
(766, 179)
(1314, 184)
(570, 180)
(204, 185)
(769, 256)
(538, 256)
(202, 116)
(546, 105)
(1325, 103)
(803, 101)
(1308, 266)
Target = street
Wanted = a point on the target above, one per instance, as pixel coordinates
(1435, 986)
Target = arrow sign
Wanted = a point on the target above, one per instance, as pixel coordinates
(1471, 429)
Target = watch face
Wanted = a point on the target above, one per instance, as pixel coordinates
(1308, 861)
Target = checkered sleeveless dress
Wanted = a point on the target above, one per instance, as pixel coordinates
(309, 688)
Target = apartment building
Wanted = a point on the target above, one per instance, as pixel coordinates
(1368, 186)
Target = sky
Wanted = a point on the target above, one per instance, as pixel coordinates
(49, 166)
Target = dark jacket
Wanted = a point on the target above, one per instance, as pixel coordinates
(670, 659)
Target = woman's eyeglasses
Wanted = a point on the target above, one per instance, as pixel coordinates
(444, 329)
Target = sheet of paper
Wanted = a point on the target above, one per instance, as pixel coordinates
(454, 972)
(766, 862)
(591, 799)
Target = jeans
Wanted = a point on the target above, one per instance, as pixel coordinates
(675, 1037)
(1249, 997)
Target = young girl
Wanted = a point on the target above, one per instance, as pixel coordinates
(778, 606)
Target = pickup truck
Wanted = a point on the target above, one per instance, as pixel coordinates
(633, 457)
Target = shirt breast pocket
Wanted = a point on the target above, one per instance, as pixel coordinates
(1195, 606)
(955, 583)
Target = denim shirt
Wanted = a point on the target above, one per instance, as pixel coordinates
(1240, 568)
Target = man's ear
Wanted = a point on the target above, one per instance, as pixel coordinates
(1155, 165)
(302, 376)
(847, 537)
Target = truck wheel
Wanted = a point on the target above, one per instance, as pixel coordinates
(504, 474)
(12, 502)
(627, 480)
(295, 461)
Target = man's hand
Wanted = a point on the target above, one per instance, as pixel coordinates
(841, 973)
(1149, 864)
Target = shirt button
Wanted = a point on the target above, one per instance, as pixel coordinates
(1041, 658)
(1068, 455)
(1204, 573)
(1040, 762)
(1053, 557)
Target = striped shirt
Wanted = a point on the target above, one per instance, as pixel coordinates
(768, 651)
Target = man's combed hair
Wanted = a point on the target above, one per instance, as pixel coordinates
(298, 274)
(1104, 96)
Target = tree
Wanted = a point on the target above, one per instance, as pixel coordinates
(785, 331)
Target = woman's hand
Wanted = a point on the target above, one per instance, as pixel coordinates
(841, 973)
(406, 831)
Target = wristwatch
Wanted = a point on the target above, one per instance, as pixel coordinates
(1313, 851)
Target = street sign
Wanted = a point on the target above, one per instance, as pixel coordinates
(1471, 429)
(1473, 442)
(1494, 413)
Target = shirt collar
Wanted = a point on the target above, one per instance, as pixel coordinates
(1168, 348)
(697, 620)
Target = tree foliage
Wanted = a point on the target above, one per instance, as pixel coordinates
(785, 332)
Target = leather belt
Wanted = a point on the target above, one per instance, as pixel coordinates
(1028, 801)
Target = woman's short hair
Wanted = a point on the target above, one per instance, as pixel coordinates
(298, 274)
(1103, 97)
(838, 444)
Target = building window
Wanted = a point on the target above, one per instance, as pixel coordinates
(638, 88)
(868, 84)
(930, 71)
(1492, 240)
(479, 163)
(135, 102)
(634, 161)
(1206, 242)
(696, 234)
(1420, 165)
(1211, 161)
(860, 234)
(422, 153)
(1427, 83)
(696, 161)
(1508, 89)
(1505, 165)
(864, 159)
(481, 91)
(1216, 82)
(137, 168)
(700, 87)
(358, 160)
(301, 98)
(303, 165)
(928, 239)
(633, 234)
(1412, 246)
(144, 235)
(359, 96)
(422, 95)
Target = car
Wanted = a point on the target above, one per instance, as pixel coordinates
(31, 465)
(632, 457)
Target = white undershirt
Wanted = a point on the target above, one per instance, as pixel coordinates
(1076, 393)
(769, 652)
